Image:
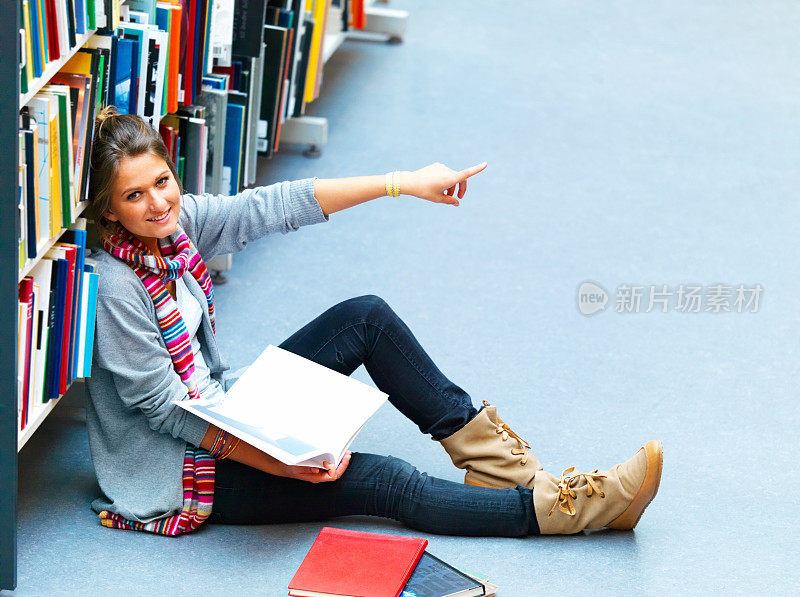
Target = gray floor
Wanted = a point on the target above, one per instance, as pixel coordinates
(643, 143)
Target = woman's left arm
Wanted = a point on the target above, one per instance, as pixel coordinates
(436, 183)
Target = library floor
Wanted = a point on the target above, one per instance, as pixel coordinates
(629, 143)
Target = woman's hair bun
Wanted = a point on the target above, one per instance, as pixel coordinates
(103, 115)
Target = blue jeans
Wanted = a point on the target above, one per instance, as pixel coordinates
(365, 330)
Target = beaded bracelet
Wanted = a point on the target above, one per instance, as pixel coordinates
(392, 184)
(224, 445)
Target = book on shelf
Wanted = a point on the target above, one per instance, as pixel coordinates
(22, 199)
(60, 296)
(80, 91)
(27, 300)
(359, 16)
(149, 69)
(55, 148)
(282, 405)
(220, 35)
(384, 564)
(88, 321)
(242, 144)
(254, 100)
(51, 30)
(315, 62)
(190, 125)
(75, 238)
(147, 7)
(297, 28)
(234, 143)
(65, 161)
(215, 102)
(93, 61)
(43, 112)
(168, 18)
(307, 37)
(68, 253)
(27, 71)
(248, 25)
(286, 84)
(275, 58)
(291, 19)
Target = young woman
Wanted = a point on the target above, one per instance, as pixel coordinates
(164, 470)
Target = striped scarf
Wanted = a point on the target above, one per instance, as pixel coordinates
(179, 255)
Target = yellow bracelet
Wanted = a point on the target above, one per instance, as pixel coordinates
(389, 183)
(393, 184)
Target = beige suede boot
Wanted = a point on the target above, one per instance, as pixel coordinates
(615, 498)
(492, 453)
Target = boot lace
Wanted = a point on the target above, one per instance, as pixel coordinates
(506, 431)
(566, 493)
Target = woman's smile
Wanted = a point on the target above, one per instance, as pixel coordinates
(161, 218)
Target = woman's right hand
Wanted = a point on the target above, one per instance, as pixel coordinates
(314, 474)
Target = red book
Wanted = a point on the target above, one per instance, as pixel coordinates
(357, 564)
(26, 296)
(166, 136)
(52, 30)
(359, 17)
(226, 70)
(71, 253)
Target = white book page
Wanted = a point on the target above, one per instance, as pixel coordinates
(294, 407)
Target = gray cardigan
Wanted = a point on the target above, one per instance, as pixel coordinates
(137, 437)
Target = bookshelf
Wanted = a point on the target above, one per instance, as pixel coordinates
(12, 441)
(11, 101)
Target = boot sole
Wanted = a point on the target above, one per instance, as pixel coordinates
(654, 453)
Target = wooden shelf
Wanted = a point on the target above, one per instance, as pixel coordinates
(31, 263)
(53, 68)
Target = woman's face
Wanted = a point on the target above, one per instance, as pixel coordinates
(145, 198)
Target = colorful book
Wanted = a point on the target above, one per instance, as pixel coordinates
(77, 238)
(45, 112)
(90, 309)
(65, 162)
(41, 275)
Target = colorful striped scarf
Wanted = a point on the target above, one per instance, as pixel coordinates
(179, 255)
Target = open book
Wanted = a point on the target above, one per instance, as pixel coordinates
(292, 408)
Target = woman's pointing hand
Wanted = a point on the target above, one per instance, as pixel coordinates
(437, 182)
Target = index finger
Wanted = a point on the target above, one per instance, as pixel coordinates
(464, 174)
